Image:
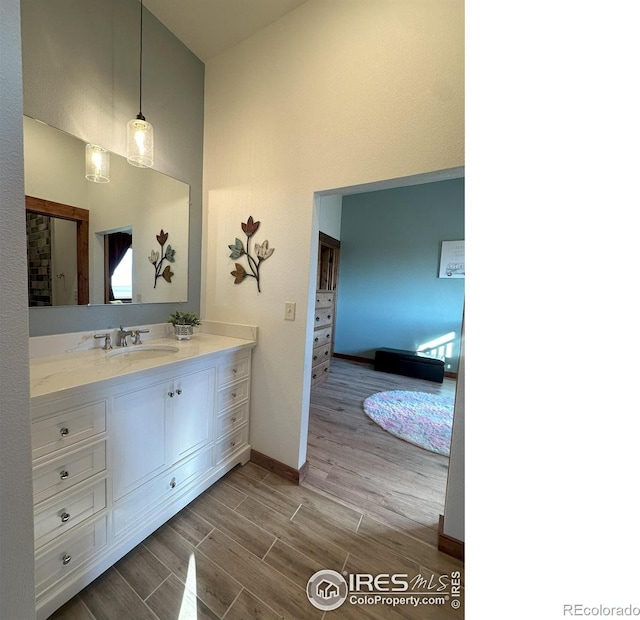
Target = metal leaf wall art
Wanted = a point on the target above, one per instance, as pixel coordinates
(157, 258)
(262, 252)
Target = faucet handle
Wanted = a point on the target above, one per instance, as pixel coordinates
(136, 335)
(107, 340)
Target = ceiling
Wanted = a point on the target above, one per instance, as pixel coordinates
(209, 27)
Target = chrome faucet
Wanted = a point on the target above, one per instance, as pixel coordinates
(136, 335)
(122, 334)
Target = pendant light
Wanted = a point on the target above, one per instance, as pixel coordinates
(96, 164)
(139, 130)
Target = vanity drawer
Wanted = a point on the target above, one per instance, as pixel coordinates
(321, 354)
(322, 336)
(66, 556)
(324, 300)
(226, 446)
(62, 473)
(234, 394)
(232, 418)
(136, 508)
(57, 518)
(67, 428)
(232, 371)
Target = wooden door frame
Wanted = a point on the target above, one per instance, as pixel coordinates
(81, 218)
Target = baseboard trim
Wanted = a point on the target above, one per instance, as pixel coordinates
(282, 470)
(449, 545)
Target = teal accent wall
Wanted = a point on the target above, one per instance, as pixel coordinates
(389, 293)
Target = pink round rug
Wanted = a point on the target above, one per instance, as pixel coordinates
(420, 418)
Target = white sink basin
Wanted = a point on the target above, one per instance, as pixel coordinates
(143, 351)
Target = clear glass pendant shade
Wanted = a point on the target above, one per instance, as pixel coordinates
(96, 163)
(140, 143)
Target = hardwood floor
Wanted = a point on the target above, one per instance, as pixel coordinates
(248, 545)
(358, 463)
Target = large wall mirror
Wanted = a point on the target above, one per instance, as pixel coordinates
(96, 242)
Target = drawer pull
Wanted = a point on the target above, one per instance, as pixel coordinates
(178, 392)
(314, 376)
(64, 474)
(172, 484)
(315, 357)
(328, 316)
(233, 419)
(317, 318)
(233, 444)
(170, 394)
(66, 559)
(64, 517)
(316, 339)
(328, 335)
(325, 370)
(326, 352)
(233, 394)
(64, 431)
(234, 371)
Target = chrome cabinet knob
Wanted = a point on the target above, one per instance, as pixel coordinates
(178, 392)
(170, 394)
(64, 474)
(172, 484)
(64, 517)
(64, 431)
(66, 559)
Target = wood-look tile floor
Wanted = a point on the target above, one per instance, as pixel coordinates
(247, 546)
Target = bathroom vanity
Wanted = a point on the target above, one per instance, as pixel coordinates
(123, 440)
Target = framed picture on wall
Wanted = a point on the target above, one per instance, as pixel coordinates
(452, 259)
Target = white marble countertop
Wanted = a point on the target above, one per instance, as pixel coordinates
(73, 369)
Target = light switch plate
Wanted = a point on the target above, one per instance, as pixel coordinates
(289, 310)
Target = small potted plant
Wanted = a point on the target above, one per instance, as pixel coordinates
(183, 323)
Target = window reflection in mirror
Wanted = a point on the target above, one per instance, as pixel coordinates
(118, 262)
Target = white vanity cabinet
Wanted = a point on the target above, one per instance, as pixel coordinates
(115, 460)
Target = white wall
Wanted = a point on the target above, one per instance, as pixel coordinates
(332, 95)
(330, 215)
(16, 496)
(454, 500)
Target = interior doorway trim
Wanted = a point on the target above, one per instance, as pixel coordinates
(81, 218)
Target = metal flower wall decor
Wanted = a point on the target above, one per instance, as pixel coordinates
(262, 251)
(157, 258)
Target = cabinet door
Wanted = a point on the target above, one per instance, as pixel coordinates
(139, 434)
(191, 416)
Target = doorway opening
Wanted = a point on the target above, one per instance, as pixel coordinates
(400, 484)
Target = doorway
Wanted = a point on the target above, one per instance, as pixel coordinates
(390, 273)
(76, 278)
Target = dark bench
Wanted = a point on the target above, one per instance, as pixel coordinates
(409, 364)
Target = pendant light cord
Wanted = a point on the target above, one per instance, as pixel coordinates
(140, 114)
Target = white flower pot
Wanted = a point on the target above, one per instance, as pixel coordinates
(183, 332)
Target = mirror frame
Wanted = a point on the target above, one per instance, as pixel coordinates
(81, 218)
